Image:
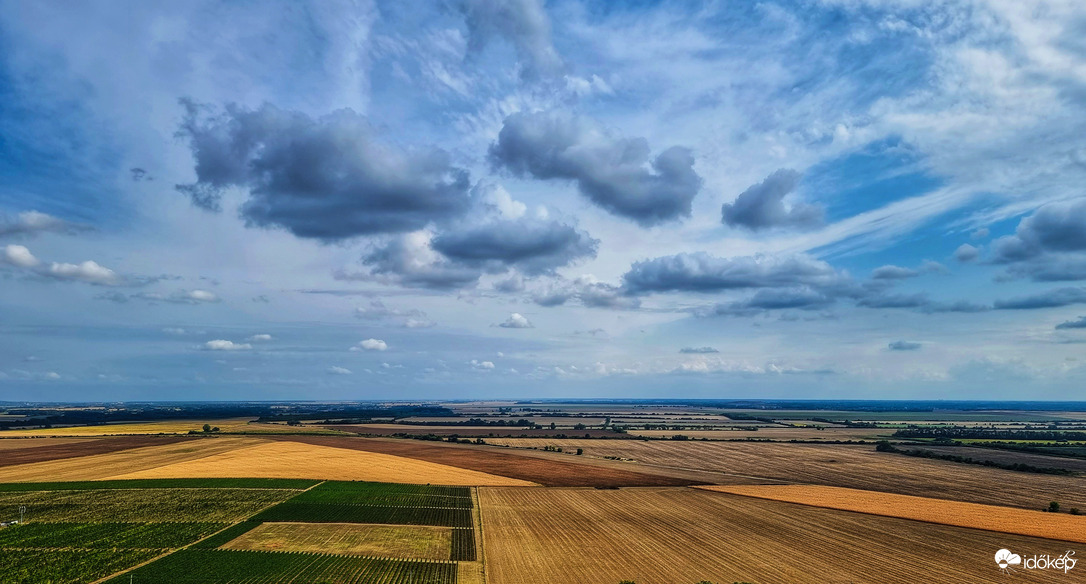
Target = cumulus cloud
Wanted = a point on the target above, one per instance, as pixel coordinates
(34, 222)
(533, 246)
(1050, 299)
(966, 253)
(409, 260)
(482, 365)
(89, 272)
(698, 350)
(587, 290)
(762, 205)
(701, 272)
(19, 256)
(1056, 227)
(903, 346)
(521, 23)
(336, 370)
(613, 172)
(1073, 324)
(514, 283)
(371, 345)
(224, 345)
(517, 321)
(328, 178)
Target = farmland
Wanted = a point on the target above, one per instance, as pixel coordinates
(558, 536)
(398, 541)
(142, 505)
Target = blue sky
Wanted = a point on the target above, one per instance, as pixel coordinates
(482, 198)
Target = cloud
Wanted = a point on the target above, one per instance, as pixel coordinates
(773, 299)
(482, 365)
(378, 311)
(1050, 299)
(329, 178)
(371, 345)
(701, 272)
(613, 172)
(191, 297)
(19, 256)
(521, 23)
(418, 323)
(517, 321)
(903, 346)
(335, 370)
(966, 253)
(410, 261)
(1073, 324)
(1056, 227)
(587, 290)
(514, 283)
(261, 338)
(533, 246)
(698, 350)
(762, 205)
(89, 272)
(34, 222)
(224, 345)
(891, 272)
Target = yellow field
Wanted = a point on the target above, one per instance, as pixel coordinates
(681, 535)
(839, 465)
(13, 443)
(295, 460)
(165, 427)
(390, 541)
(102, 466)
(992, 518)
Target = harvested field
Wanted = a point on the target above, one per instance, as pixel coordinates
(282, 459)
(841, 465)
(386, 541)
(1007, 456)
(773, 433)
(546, 472)
(100, 466)
(57, 449)
(668, 536)
(972, 515)
(467, 431)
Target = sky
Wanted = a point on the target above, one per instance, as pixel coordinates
(467, 199)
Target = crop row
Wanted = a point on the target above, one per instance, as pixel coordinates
(463, 545)
(383, 499)
(338, 513)
(226, 535)
(66, 566)
(140, 505)
(104, 535)
(209, 483)
(200, 566)
(360, 488)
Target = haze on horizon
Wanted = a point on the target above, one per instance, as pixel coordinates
(487, 198)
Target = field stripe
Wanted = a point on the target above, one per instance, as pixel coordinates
(1056, 526)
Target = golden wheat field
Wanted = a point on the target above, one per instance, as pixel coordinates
(682, 535)
(102, 466)
(282, 459)
(1059, 526)
(840, 465)
(390, 541)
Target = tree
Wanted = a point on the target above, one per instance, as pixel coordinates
(1053, 507)
(1075, 511)
(884, 446)
(580, 451)
(207, 427)
(552, 425)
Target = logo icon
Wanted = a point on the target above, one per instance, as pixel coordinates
(1005, 559)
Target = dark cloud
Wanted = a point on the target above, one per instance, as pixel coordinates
(408, 261)
(891, 272)
(920, 302)
(1049, 299)
(1048, 268)
(701, 272)
(531, 245)
(1073, 324)
(139, 174)
(615, 173)
(34, 222)
(903, 346)
(523, 24)
(698, 350)
(509, 285)
(966, 253)
(762, 205)
(588, 291)
(774, 299)
(328, 178)
(1048, 245)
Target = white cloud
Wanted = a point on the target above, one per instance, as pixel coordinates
(224, 345)
(200, 296)
(371, 345)
(482, 365)
(89, 271)
(516, 320)
(335, 370)
(259, 338)
(19, 256)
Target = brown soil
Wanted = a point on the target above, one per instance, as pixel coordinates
(81, 447)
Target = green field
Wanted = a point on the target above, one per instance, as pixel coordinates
(200, 566)
(287, 484)
(105, 535)
(66, 566)
(140, 505)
